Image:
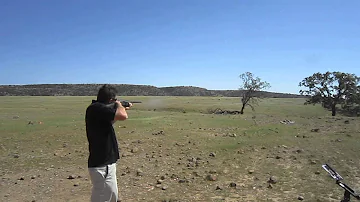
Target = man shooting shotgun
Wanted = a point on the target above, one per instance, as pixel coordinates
(100, 116)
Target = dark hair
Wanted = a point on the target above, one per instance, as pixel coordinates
(106, 92)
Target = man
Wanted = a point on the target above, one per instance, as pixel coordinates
(103, 147)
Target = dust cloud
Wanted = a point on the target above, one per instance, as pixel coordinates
(155, 103)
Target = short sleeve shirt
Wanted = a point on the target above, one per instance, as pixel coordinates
(103, 146)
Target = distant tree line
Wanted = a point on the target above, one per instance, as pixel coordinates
(126, 90)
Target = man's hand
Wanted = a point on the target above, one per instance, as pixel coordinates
(130, 105)
(126, 104)
(119, 105)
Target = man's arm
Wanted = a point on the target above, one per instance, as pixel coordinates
(121, 114)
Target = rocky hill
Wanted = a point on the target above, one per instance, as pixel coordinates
(124, 90)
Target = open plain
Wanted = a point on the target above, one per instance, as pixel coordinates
(175, 149)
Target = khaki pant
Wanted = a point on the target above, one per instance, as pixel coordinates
(104, 183)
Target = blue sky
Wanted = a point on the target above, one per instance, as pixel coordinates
(204, 43)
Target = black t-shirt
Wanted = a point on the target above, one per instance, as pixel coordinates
(103, 146)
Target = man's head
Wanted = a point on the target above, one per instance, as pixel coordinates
(106, 93)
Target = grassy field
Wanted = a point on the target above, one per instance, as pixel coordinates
(174, 150)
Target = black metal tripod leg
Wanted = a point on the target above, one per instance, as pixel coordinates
(346, 196)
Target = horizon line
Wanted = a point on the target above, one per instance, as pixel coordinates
(136, 85)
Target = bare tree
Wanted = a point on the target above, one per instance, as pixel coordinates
(251, 87)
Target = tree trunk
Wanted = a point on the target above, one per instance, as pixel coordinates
(242, 109)
(333, 109)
